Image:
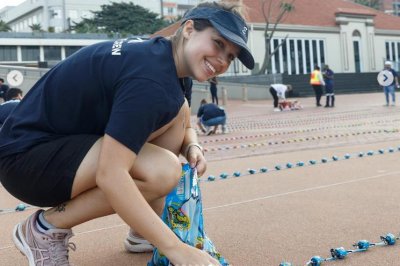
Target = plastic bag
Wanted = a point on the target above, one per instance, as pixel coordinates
(183, 213)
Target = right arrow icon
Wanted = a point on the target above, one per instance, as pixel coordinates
(385, 78)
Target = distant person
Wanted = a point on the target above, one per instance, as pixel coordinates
(187, 86)
(329, 91)
(210, 116)
(290, 105)
(296, 105)
(391, 89)
(279, 91)
(3, 90)
(14, 96)
(214, 90)
(317, 81)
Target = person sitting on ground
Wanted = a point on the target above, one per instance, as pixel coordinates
(287, 105)
(13, 97)
(296, 105)
(279, 91)
(211, 115)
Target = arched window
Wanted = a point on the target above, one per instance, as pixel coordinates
(356, 33)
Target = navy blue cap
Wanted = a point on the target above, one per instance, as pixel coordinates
(232, 27)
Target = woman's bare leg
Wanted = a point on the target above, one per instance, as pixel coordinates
(89, 203)
(155, 164)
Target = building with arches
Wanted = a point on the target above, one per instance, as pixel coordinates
(351, 38)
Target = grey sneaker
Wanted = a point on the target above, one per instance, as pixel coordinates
(209, 132)
(42, 249)
(136, 244)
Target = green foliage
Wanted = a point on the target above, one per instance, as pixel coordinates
(123, 18)
(287, 7)
(4, 26)
(370, 3)
(36, 27)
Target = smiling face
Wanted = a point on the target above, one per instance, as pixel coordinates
(206, 53)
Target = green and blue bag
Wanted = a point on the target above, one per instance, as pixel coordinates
(183, 213)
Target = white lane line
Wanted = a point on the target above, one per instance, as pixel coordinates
(252, 200)
(6, 247)
(300, 191)
(82, 233)
(100, 229)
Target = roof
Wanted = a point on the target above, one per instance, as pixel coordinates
(168, 31)
(321, 13)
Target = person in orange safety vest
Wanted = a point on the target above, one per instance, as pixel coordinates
(317, 81)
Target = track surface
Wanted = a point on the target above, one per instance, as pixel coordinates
(288, 215)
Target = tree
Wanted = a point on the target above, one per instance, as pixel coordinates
(122, 18)
(4, 26)
(272, 23)
(370, 3)
(36, 27)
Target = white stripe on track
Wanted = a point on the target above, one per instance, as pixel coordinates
(300, 191)
(82, 233)
(253, 200)
(6, 247)
(100, 229)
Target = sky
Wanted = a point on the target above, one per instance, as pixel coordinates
(4, 3)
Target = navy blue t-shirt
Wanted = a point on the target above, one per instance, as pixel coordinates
(328, 76)
(6, 109)
(123, 88)
(210, 110)
(3, 91)
(394, 76)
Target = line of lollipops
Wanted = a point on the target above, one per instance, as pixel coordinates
(290, 165)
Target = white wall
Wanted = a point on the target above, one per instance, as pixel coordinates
(339, 51)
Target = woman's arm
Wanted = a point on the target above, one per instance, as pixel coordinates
(114, 179)
(192, 150)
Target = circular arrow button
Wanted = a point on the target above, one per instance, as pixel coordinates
(385, 78)
(15, 78)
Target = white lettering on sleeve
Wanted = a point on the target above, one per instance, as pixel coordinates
(116, 48)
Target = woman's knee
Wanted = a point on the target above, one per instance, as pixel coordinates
(168, 177)
(158, 170)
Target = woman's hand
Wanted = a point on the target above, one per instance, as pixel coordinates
(188, 255)
(196, 159)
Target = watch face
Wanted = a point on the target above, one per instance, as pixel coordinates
(15, 78)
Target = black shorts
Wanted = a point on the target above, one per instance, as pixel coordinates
(43, 176)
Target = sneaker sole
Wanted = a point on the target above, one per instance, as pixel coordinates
(138, 247)
(21, 244)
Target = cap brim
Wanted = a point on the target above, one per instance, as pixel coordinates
(245, 55)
